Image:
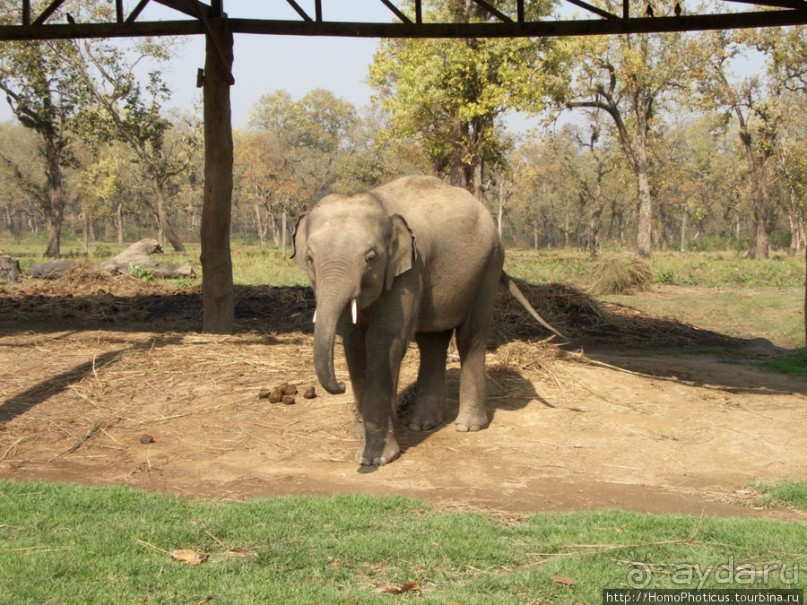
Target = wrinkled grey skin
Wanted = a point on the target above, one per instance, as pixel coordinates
(421, 259)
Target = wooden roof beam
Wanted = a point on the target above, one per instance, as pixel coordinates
(493, 10)
(396, 11)
(191, 8)
(299, 10)
(54, 6)
(592, 9)
(580, 27)
(136, 11)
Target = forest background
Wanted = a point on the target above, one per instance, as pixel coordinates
(644, 142)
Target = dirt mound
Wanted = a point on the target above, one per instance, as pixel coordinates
(85, 298)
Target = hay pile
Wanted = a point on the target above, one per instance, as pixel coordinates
(620, 275)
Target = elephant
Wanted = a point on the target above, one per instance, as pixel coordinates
(414, 258)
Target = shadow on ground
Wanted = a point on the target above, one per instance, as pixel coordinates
(613, 334)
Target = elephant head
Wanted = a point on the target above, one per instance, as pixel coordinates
(352, 250)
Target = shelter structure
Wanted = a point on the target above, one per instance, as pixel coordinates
(506, 18)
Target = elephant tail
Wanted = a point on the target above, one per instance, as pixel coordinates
(519, 296)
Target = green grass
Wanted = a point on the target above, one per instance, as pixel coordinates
(705, 269)
(773, 313)
(72, 544)
(795, 364)
(791, 493)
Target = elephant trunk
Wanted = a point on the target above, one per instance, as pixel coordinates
(330, 307)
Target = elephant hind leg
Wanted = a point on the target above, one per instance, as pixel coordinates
(431, 386)
(473, 414)
(472, 341)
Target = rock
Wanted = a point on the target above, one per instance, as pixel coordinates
(145, 439)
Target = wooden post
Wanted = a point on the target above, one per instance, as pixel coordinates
(218, 306)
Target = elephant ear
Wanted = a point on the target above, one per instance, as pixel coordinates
(298, 236)
(402, 253)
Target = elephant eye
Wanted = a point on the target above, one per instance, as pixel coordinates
(370, 256)
(309, 260)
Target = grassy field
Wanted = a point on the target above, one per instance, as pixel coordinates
(71, 544)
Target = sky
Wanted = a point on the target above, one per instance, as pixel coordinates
(263, 64)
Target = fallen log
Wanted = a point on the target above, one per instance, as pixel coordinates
(50, 269)
(138, 256)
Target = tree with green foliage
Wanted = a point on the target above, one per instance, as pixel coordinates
(288, 155)
(318, 120)
(132, 113)
(450, 94)
(628, 78)
(46, 94)
(588, 160)
(761, 105)
(23, 185)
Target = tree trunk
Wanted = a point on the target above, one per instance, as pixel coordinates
(644, 236)
(259, 225)
(119, 222)
(85, 233)
(8, 220)
(594, 224)
(165, 228)
(479, 192)
(56, 199)
(684, 222)
(763, 210)
(795, 232)
(218, 301)
(283, 232)
(457, 174)
(566, 222)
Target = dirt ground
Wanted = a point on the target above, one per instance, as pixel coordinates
(111, 386)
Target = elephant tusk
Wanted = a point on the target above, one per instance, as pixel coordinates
(354, 311)
(315, 316)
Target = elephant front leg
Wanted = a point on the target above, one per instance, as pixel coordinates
(377, 405)
(354, 339)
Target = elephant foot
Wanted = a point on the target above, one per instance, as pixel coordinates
(469, 422)
(424, 423)
(426, 415)
(378, 456)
